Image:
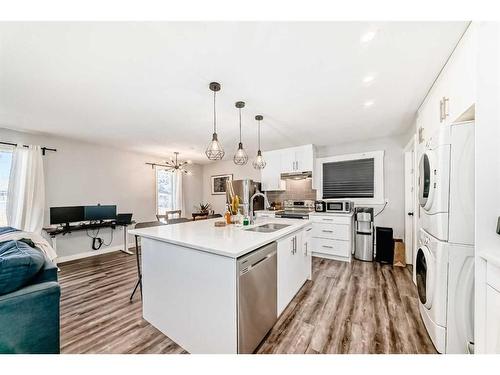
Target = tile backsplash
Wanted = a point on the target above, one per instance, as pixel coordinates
(295, 190)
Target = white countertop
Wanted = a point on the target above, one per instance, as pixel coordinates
(230, 241)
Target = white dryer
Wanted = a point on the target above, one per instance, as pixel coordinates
(445, 284)
(446, 184)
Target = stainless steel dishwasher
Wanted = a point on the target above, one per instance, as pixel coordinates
(257, 296)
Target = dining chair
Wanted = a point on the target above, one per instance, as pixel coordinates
(166, 217)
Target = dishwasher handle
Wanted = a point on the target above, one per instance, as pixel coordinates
(257, 262)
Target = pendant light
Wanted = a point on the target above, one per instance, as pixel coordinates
(214, 150)
(259, 162)
(241, 157)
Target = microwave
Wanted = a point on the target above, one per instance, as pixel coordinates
(339, 206)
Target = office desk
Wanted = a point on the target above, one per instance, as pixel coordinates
(54, 232)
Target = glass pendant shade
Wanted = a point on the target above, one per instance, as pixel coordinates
(240, 157)
(214, 150)
(259, 162)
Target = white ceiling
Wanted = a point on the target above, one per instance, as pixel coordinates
(144, 86)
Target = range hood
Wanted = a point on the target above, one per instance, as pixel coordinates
(296, 175)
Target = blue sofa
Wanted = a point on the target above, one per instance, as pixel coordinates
(29, 316)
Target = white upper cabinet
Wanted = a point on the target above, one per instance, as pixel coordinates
(287, 160)
(270, 175)
(453, 94)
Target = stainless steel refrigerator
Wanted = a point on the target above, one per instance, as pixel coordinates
(244, 189)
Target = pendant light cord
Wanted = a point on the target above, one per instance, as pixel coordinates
(240, 124)
(215, 130)
(259, 135)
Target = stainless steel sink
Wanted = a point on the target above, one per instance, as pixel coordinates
(268, 228)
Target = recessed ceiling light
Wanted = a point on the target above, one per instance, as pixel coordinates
(368, 103)
(368, 79)
(365, 38)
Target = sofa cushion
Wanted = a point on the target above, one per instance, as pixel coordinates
(19, 263)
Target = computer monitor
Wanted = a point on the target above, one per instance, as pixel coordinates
(100, 212)
(66, 215)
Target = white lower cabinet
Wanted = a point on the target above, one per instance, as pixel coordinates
(294, 266)
(332, 236)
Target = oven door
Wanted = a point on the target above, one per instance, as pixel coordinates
(425, 276)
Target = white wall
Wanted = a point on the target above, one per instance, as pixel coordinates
(224, 167)
(393, 215)
(83, 174)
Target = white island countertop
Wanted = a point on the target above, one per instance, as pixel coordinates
(230, 241)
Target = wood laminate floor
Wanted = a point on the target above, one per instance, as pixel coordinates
(346, 308)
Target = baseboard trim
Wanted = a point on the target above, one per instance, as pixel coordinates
(88, 254)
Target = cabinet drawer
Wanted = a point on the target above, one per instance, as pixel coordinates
(337, 219)
(331, 247)
(493, 276)
(331, 231)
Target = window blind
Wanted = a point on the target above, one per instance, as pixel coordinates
(349, 179)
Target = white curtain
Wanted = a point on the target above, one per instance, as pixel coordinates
(26, 194)
(177, 196)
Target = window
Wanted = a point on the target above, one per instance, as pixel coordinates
(5, 163)
(358, 177)
(348, 179)
(164, 190)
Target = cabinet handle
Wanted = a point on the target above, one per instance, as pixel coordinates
(327, 219)
(305, 245)
(327, 231)
(293, 246)
(440, 111)
(446, 107)
(308, 230)
(328, 247)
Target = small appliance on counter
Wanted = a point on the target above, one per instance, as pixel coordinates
(338, 206)
(299, 209)
(319, 206)
(364, 234)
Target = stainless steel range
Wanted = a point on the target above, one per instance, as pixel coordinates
(298, 209)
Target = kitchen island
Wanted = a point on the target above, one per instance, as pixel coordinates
(191, 278)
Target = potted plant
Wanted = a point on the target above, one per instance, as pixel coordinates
(204, 208)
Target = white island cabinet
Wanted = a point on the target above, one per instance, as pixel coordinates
(190, 277)
(294, 265)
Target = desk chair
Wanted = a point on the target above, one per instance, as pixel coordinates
(138, 253)
(167, 215)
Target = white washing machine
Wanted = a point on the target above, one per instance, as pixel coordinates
(445, 284)
(446, 184)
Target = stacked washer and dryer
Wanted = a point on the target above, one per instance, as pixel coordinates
(444, 263)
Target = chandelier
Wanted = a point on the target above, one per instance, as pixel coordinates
(174, 164)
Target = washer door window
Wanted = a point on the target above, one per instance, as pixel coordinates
(426, 181)
(425, 276)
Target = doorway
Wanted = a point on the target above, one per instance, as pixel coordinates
(410, 237)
